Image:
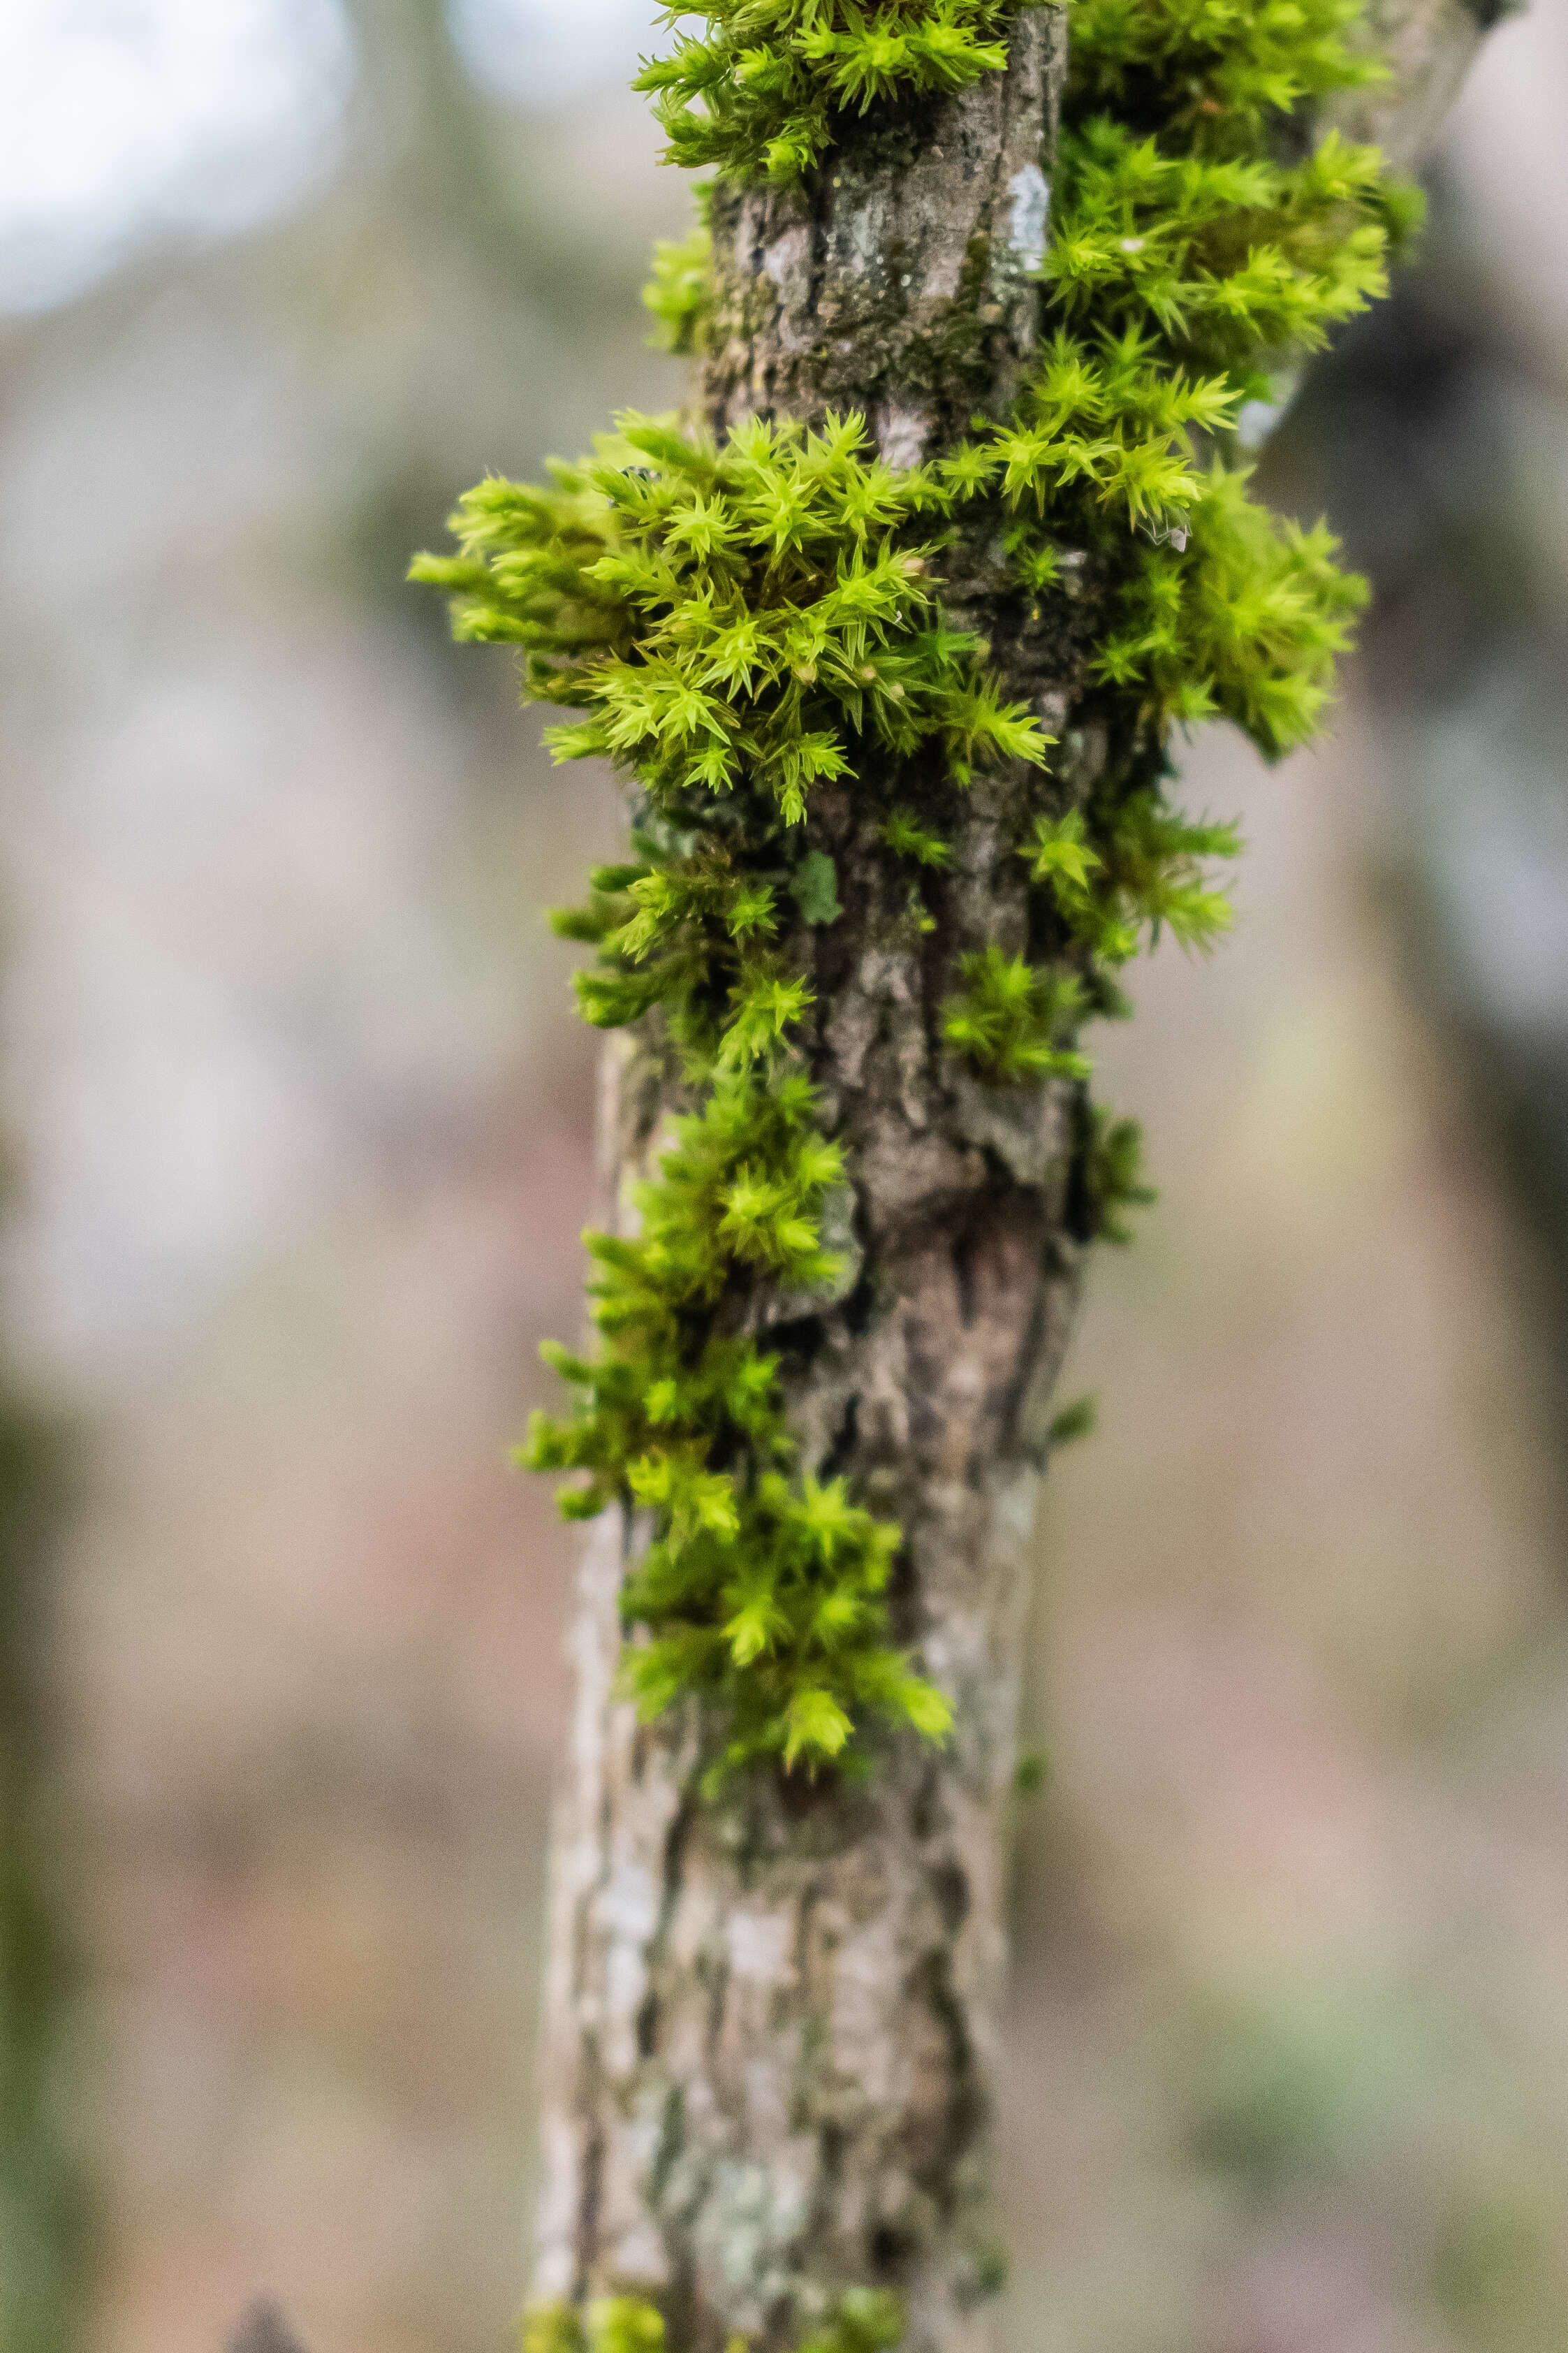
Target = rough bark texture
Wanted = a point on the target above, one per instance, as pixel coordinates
(772, 2024)
(898, 282)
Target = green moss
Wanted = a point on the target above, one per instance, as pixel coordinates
(865, 2320)
(767, 85)
(733, 622)
(733, 628)
(1013, 1021)
(1219, 73)
(1147, 874)
(761, 1590)
(1110, 1177)
(1245, 621)
(738, 627)
(679, 293)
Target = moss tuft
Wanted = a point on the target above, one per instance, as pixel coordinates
(768, 86)
(741, 629)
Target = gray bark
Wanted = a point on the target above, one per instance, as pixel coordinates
(772, 2024)
(899, 285)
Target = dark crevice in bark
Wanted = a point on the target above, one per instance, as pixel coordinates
(959, 2106)
(592, 2165)
(841, 1453)
(963, 1275)
(950, 1885)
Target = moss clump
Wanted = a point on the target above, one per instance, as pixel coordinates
(1013, 1021)
(765, 89)
(738, 627)
(1219, 73)
(1147, 874)
(733, 626)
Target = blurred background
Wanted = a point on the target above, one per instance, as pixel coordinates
(299, 1126)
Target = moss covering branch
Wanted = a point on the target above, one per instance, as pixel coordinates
(739, 626)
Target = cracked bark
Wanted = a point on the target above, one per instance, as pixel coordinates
(772, 2025)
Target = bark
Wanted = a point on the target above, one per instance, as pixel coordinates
(772, 2024)
(898, 284)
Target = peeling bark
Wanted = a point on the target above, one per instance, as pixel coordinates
(771, 2023)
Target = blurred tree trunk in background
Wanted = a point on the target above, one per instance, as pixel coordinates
(772, 2027)
(40, 2216)
(1431, 432)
